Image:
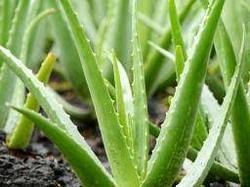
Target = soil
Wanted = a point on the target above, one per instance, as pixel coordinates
(42, 164)
(34, 167)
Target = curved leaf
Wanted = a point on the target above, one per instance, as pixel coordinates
(85, 169)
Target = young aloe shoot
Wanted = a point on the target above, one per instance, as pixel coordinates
(22, 133)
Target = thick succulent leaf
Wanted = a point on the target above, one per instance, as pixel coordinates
(48, 102)
(200, 132)
(87, 16)
(176, 27)
(124, 101)
(22, 133)
(240, 111)
(119, 35)
(140, 117)
(155, 59)
(5, 21)
(19, 92)
(200, 168)
(67, 52)
(179, 60)
(217, 168)
(173, 141)
(7, 78)
(226, 152)
(84, 167)
(74, 111)
(115, 144)
(146, 8)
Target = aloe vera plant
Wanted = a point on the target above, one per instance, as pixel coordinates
(113, 52)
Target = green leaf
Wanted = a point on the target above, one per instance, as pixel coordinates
(19, 92)
(124, 103)
(7, 78)
(119, 35)
(82, 164)
(50, 105)
(115, 144)
(217, 168)
(240, 111)
(155, 59)
(199, 170)
(67, 51)
(173, 141)
(22, 133)
(226, 152)
(140, 117)
(176, 27)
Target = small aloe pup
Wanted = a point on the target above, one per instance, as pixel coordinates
(22, 133)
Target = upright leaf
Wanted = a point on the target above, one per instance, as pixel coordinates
(173, 141)
(114, 142)
(156, 60)
(140, 118)
(67, 54)
(7, 78)
(20, 137)
(124, 103)
(199, 170)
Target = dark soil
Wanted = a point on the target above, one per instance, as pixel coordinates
(34, 167)
(42, 164)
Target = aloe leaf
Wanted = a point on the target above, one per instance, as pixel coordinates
(30, 31)
(120, 31)
(144, 32)
(124, 103)
(19, 91)
(7, 78)
(179, 60)
(156, 59)
(217, 168)
(74, 111)
(5, 20)
(173, 141)
(22, 133)
(176, 27)
(49, 104)
(140, 118)
(196, 175)
(67, 54)
(226, 153)
(87, 17)
(114, 142)
(200, 131)
(240, 112)
(84, 167)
